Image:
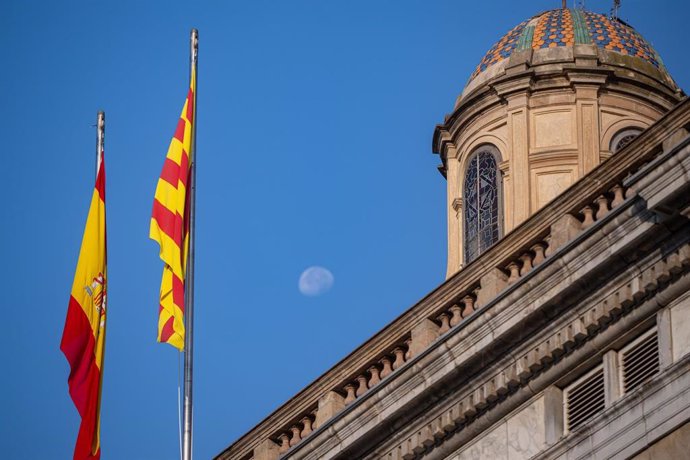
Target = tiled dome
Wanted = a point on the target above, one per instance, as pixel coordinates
(567, 27)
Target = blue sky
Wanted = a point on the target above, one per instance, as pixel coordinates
(314, 148)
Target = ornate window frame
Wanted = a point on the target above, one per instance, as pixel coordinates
(467, 197)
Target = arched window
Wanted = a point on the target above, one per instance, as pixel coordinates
(623, 138)
(482, 197)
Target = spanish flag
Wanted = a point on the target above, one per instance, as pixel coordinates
(83, 340)
(170, 225)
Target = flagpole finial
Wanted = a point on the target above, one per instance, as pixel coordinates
(100, 138)
(194, 43)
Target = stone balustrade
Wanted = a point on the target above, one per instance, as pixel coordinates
(376, 372)
(336, 400)
(293, 434)
(527, 260)
(451, 316)
(603, 204)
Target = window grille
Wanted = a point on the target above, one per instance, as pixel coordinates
(639, 361)
(584, 399)
(481, 204)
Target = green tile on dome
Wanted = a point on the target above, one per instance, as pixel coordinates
(566, 27)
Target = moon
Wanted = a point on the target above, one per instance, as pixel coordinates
(315, 281)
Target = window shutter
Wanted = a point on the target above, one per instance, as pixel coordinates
(639, 361)
(584, 399)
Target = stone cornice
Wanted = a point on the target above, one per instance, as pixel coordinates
(547, 77)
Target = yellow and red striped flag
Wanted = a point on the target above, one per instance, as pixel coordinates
(170, 225)
(83, 339)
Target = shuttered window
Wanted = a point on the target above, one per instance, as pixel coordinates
(584, 399)
(639, 361)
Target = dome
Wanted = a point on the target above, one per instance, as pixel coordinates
(566, 28)
(557, 96)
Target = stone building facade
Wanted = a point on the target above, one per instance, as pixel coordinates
(563, 329)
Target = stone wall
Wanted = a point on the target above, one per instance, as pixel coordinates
(675, 445)
(521, 435)
(631, 421)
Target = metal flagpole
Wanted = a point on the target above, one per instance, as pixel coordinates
(189, 274)
(100, 138)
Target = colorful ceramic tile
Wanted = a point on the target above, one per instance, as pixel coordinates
(565, 27)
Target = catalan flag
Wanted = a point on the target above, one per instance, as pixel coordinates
(83, 339)
(170, 225)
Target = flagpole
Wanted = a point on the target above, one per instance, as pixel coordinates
(100, 138)
(189, 274)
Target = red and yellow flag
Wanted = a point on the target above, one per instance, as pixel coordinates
(170, 225)
(83, 340)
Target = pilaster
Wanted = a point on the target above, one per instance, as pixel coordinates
(329, 405)
(518, 139)
(612, 386)
(586, 88)
(454, 213)
(423, 335)
(504, 168)
(553, 415)
(664, 337)
(267, 450)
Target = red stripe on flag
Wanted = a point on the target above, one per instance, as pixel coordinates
(179, 131)
(167, 330)
(184, 168)
(78, 344)
(100, 179)
(170, 223)
(178, 292)
(171, 172)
